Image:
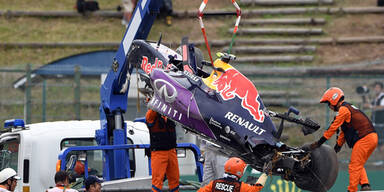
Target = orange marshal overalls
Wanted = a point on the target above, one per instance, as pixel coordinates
(230, 185)
(357, 130)
(163, 151)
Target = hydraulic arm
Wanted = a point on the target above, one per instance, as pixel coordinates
(114, 91)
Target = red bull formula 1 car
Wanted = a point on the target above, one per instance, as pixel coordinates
(225, 108)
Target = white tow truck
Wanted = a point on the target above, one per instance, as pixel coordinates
(32, 150)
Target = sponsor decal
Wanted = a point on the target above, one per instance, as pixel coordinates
(165, 90)
(225, 138)
(215, 123)
(335, 96)
(233, 84)
(148, 67)
(191, 76)
(224, 187)
(165, 109)
(244, 123)
(282, 185)
(228, 130)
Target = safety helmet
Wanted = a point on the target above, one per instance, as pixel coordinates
(8, 173)
(332, 95)
(235, 166)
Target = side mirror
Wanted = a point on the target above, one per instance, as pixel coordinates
(71, 162)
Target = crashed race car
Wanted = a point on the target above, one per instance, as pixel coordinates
(225, 108)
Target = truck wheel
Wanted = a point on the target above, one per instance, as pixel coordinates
(322, 171)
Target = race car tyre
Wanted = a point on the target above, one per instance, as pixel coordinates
(322, 171)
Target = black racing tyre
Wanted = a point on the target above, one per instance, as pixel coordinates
(322, 171)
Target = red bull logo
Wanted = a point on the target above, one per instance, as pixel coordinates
(148, 67)
(232, 83)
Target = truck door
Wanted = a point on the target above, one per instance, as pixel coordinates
(9, 152)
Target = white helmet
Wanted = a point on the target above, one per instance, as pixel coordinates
(8, 173)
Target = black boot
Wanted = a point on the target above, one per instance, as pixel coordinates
(365, 187)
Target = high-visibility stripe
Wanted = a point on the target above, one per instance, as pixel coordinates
(150, 124)
(156, 189)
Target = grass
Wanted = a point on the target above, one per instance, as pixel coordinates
(24, 29)
(356, 3)
(47, 5)
(103, 29)
(53, 30)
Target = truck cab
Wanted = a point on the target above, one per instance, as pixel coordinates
(33, 150)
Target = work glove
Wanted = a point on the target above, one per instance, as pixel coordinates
(311, 146)
(314, 145)
(262, 179)
(337, 148)
(267, 168)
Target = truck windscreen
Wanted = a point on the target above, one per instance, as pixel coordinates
(9, 152)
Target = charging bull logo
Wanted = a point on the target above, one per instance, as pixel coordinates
(232, 83)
